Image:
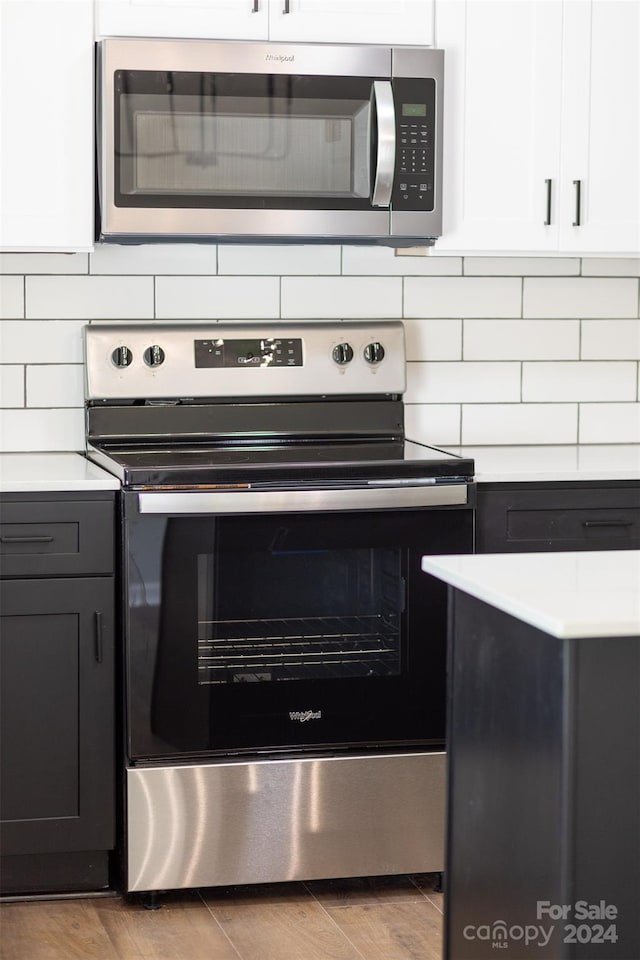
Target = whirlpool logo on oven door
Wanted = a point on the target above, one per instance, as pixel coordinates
(303, 715)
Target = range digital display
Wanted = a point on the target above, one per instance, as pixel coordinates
(257, 352)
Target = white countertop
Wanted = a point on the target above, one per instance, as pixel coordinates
(516, 464)
(53, 472)
(573, 594)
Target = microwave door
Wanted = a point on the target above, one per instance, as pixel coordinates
(384, 149)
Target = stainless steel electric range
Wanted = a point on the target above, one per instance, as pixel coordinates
(283, 656)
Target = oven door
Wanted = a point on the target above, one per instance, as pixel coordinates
(295, 629)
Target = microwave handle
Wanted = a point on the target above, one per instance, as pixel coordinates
(382, 103)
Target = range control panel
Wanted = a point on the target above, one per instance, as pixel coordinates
(415, 106)
(154, 361)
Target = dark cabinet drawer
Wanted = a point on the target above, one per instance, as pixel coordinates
(565, 517)
(56, 538)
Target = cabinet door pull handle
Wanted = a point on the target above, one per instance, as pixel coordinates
(547, 221)
(286, 7)
(578, 185)
(256, 6)
(607, 523)
(26, 539)
(98, 635)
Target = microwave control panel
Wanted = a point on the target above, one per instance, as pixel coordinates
(415, 100)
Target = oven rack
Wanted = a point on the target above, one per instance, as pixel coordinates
(298, 648)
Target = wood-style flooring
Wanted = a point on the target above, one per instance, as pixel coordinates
(379, 918)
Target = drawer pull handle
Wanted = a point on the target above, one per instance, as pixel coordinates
(607, 523)
(26, 539)
(256, 6)
(98, 635)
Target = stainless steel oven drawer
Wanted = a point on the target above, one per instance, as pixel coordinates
(285, 819)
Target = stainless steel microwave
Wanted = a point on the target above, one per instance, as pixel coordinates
(202, 140)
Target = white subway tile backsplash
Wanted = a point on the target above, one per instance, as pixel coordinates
(521, 339)
(433, 339)
(89, 297)
(383, 262)
(11, 297)
(501, 350)
(259, 260)
(463, 382)
(433, 423)
(522, 266)
(462, 296)
(41, 430)
(41, 341)
(603, 267)
(342, 297)
(12, 385)
(609, 423)
(217, 298)
(582, 380)
(519, 423)
(154, 258)
(580, 297)
(30, 263)
(610, 340)
(55, 385)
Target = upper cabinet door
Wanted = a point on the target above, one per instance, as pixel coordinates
(601, 127)
(353, 21)
(335, 21)
(501, 123)
(216, 19)
(46, 106)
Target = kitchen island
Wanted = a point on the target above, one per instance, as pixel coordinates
(543, 844)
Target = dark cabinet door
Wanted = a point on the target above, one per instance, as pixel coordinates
(57, 715)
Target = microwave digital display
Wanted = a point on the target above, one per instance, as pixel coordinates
(414, 109)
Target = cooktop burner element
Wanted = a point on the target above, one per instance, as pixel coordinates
(179, 405)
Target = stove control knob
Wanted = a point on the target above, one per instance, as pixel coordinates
(154, 356)
(121, 357)
(343, 353)
(374, 352)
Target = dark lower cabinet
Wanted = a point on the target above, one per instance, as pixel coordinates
(526, 518)
(57, 739)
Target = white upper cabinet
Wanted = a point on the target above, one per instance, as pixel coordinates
(332, 21)
(218, 19)
(542, 125)
(501, 122)
(353, 21)
(46, 125)
(600, 164)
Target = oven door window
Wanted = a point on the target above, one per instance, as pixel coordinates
(194, 139)
(286, 632)
(283, 612)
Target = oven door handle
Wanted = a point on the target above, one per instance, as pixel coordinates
(304, 501)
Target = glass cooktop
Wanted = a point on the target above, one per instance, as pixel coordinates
(290, 462)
